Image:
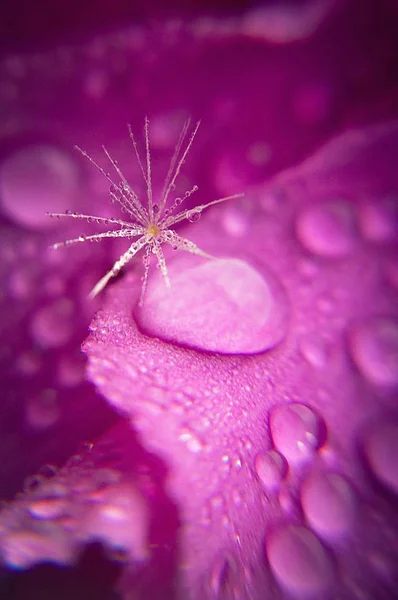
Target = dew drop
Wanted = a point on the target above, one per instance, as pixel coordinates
(42, 410)
(381, 450)
(29, 363)
(327, 229)
(329, 504)
(191, 441)
(193, 216)
(22, 282)
(314, 351)
(235, 221)
(35, 180)
(374, 348)
(296, 431)
(52, 325)
(378, 220)
(271, 469)
(70, 371)
(299, 561)
(222, 306)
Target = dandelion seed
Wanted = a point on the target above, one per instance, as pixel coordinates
(152, 223)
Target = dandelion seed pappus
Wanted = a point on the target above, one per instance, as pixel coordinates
(151, 223)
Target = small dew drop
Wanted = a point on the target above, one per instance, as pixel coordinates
(194, 216)
(381, 450)
(314, 351)
(191, 441)
(329, 504)
(327, 229)
(296, 431)
(374, 348)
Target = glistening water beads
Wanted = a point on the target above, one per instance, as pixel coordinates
(151, 224)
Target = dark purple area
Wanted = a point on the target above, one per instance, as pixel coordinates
(250, 451)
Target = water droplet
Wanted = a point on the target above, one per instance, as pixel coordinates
(249, 314)
(193, 216)
(378, 220)
(235, 221)
(296, 431)
(327, 229)
(70, 370)
(52, 325)
(329, 504)
(236, 497)
(42, 410)
(191, 441)
(314, 351)
(22, 282)
(374, 348)
(381, 450)
(155, 209)
(29, 363)
(271, 469)
(35, 180)
(299, 561)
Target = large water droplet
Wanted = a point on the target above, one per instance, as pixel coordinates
(327, 229)
(35, 180)
(374, 348)
(381, 449)
(299, 561)
(222, 306)
(296, 431)
(329, 504)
